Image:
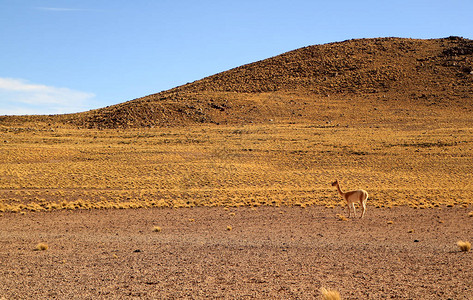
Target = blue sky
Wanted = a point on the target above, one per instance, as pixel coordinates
(62, 56)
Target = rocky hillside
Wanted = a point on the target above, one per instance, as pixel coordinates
(294, 85)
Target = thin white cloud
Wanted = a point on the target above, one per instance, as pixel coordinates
(19, 96)
(60, 9)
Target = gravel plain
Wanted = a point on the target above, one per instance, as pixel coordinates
(236, 253)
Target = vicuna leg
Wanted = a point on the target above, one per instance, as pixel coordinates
(363, 200)
(354, 211)
(363, 208)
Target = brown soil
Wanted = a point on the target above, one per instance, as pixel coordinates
(269, 253)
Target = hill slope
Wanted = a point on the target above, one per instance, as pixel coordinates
(302, 85)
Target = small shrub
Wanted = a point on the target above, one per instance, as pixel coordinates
(410, 231)
(470, 214)
(41, 247)
(157, 229)
(229, 228)
(342, 217)
(464, 246)
(330, 294)
(390, 222)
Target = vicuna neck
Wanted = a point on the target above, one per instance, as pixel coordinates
(339, 189)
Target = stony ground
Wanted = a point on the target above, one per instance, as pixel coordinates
(237, 253)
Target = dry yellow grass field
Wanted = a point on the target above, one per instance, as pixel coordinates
(391, 116)
(422, 165)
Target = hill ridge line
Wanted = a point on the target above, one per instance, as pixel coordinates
(286, 87)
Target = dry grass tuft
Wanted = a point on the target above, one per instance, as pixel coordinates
(470, 214)
(390, 222)
(157, 229)
(330, 294)
(41, 247)
(410, 231)
(229, 228)
(464, 246)
(342, 217)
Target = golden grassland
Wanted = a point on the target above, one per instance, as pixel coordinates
(49, 168)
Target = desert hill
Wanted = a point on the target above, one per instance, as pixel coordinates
(355, 79)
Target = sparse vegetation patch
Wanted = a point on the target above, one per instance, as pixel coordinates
(464, 246)
(41, 247)
(330, 294)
